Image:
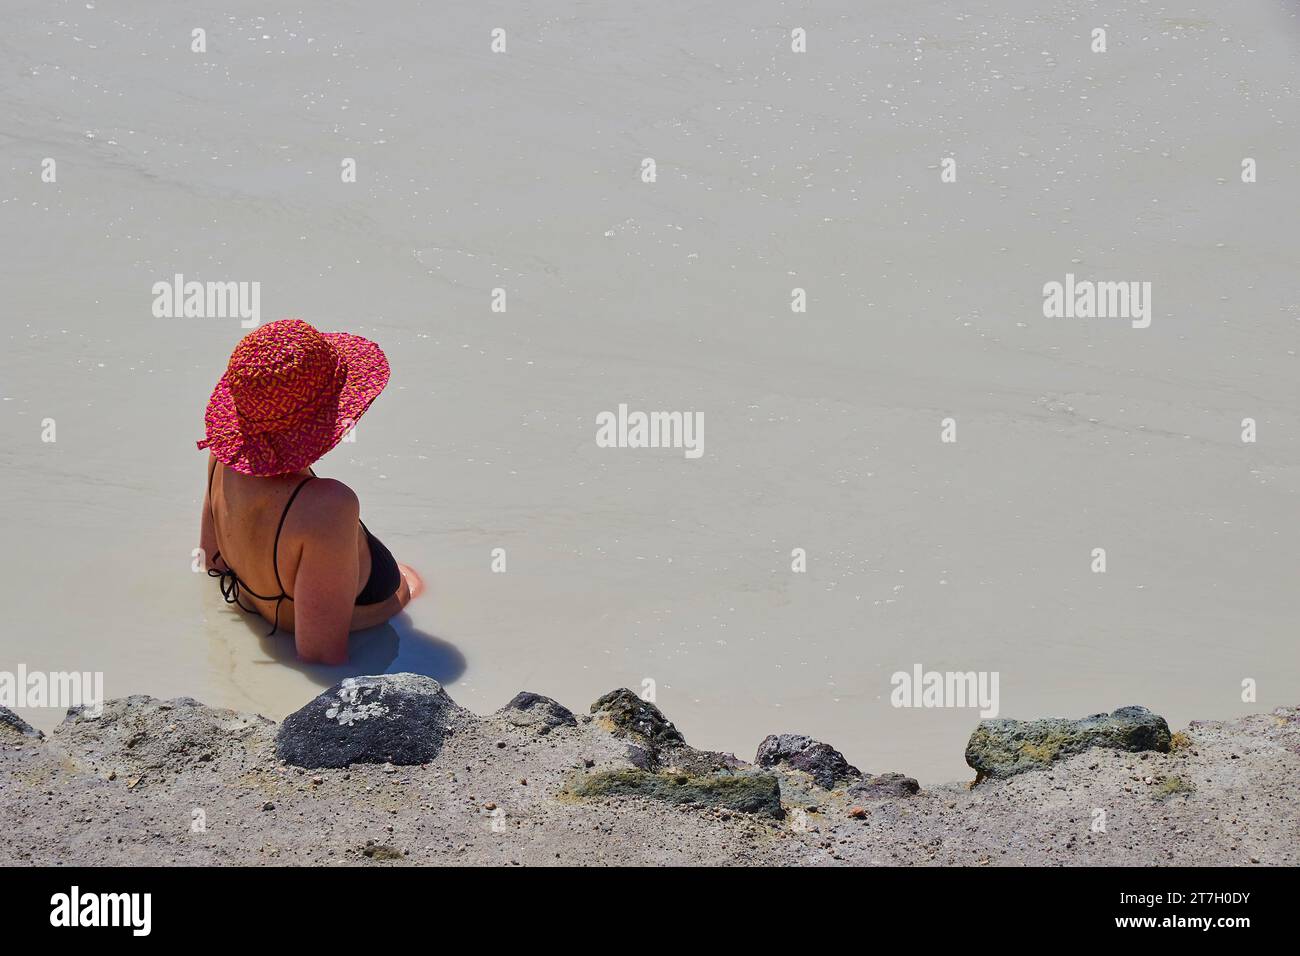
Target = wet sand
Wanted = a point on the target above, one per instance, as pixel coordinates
(775, 170)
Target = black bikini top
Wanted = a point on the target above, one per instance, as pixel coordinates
(385, 576)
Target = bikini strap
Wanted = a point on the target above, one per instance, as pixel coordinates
(275, 548)
(231, 586)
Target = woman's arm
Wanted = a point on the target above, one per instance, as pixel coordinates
(325, 587)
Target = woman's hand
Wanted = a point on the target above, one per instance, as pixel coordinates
(414, 583)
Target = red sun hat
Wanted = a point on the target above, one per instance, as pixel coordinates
(289, 395)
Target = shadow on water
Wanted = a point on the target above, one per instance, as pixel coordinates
(394, 647)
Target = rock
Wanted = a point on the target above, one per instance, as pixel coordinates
(857, 813)
(823, 762)
(747, 792)
(681, 758)
(137, 735)
(527, 709)
(625, 713)
(688, 760)
(642, 758)
(885, 786)
(1003, 748)
(12, 722)
(401, 719)
(654, 744)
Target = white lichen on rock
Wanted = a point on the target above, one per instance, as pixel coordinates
(351, 707)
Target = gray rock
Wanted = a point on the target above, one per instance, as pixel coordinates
(627, 714)
(748, 792)
(823, 762)
(401, 719)
(138, 734)
(1003, 748)
(527, 709)
(885, 786)
(11, 721)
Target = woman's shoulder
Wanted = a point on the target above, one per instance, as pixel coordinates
(328, 500)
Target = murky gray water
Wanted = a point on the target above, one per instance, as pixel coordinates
(775, 170)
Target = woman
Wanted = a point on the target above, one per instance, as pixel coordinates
(305, 561)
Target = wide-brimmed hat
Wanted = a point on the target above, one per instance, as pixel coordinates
(289, 395)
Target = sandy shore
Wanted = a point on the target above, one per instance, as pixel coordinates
(177, 782)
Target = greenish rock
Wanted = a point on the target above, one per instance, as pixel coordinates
(628, 714)
(654, 744)
(756, 793)
(1003, 748)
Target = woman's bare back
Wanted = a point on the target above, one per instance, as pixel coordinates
(241, 517)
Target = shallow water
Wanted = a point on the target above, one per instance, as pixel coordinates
(776, 170)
